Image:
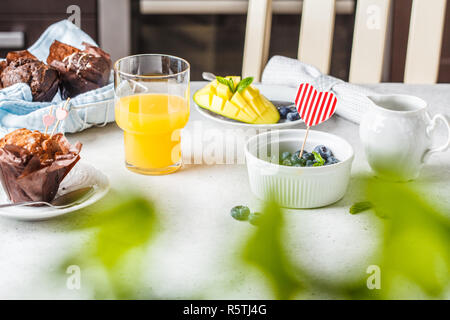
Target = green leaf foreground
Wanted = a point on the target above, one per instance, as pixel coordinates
(416, 240)
(265, 250)
(124, 225)
(360, 207)
(414, 247)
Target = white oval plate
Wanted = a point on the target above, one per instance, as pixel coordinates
(82, 175)
(275, 93)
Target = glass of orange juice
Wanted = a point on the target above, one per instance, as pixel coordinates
(152, 106)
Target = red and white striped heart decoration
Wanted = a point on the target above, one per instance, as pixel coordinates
(314, 107)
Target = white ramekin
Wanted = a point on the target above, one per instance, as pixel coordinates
(297, 187)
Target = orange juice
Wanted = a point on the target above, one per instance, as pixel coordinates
(151, 124)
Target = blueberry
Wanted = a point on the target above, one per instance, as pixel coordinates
(309, 163)
(293, 116)
(284, 112)
(287, 162)
(240, 212)
(295, 159)
(308, 156)
(302, 162)
(285, 155)
(323, 151)
(254, 218)
(332, 160)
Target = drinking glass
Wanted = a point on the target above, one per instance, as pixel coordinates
(152, 106)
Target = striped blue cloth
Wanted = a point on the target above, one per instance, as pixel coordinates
(95, 107)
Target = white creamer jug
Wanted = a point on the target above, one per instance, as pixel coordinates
(397, 136)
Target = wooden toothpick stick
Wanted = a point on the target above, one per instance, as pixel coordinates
(59, 120)
(304, 142)
(50, 113)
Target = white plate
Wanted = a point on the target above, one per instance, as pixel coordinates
(275, 93)
(82, 175)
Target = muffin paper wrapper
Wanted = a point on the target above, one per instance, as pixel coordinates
(24, 179)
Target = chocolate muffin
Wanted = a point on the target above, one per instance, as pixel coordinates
(80, 70)
(33, 164)
(3, 65)
(22, 66)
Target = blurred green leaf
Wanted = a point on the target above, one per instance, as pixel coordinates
(123, 227)
(264, 250)
(416, 238)
(360, 207)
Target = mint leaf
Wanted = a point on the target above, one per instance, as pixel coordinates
(243, 84)
(228, 82)
(320, 161)
(360, 207)
(231, 85)
(222, 80)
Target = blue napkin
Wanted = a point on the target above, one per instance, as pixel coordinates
(95, 107)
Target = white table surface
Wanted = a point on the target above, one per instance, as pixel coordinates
(198, 236)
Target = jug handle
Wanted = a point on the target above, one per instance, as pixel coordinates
(430, 128)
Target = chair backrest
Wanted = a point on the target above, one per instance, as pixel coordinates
(257, 37)
(373, 19)
(425, 41)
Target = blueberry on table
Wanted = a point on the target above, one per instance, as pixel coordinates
(240, 212)
(293, 116)
(324, 151)
(309, 163)
(254, 218)
(284, 112)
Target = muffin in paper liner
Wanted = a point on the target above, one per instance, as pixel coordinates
(33, 164)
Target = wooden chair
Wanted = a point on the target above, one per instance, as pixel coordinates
(372, 22)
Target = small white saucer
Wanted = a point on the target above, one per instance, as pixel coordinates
(82, 175)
